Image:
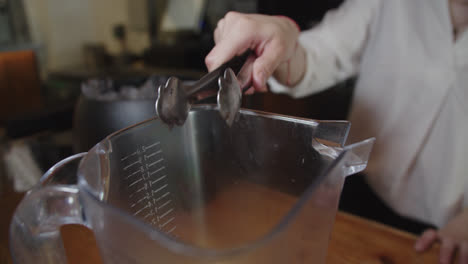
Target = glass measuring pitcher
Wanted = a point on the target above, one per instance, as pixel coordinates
(262, 191)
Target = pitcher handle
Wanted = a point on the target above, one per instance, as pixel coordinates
(50, 173)
(35, 226)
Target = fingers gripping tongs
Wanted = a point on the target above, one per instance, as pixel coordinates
(175, 98)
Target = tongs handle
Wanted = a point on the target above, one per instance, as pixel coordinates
(210, 81)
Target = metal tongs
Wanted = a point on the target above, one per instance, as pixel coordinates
(175, 98)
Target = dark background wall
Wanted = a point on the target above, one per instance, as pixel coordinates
(304, 12)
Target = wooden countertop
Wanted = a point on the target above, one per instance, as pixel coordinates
(358, 240)
(353, 240)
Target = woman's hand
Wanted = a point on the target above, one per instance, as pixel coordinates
(273, 40)
(459, 15)
(454, 236)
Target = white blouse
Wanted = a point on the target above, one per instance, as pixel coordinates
(412, 95)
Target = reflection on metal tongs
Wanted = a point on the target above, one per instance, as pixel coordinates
(175, 98)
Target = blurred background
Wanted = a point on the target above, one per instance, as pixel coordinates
(72, 72)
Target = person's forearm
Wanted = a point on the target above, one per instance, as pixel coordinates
(329, 53)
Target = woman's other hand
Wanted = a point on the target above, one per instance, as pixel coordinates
(453, 238)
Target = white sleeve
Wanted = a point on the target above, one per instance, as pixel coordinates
(333, 48)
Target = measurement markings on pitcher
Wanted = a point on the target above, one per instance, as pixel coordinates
(128, 156)
(154, 163)
(144, 148)
(164, 204)
(153, 154)
(159, 189)
(171, 230)
(135, 172)
(143, 188)
(140, 210)
(135, 182)
(159, 179)
(166, 213)
(146, 197)
(149, 193)
(167, 222)
(162, 196)
(132, 164)
(156, 171)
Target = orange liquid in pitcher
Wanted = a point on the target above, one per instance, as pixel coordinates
(244, 212)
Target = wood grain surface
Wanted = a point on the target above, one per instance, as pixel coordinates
(357, 240)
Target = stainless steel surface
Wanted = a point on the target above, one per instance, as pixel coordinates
(229, 96)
